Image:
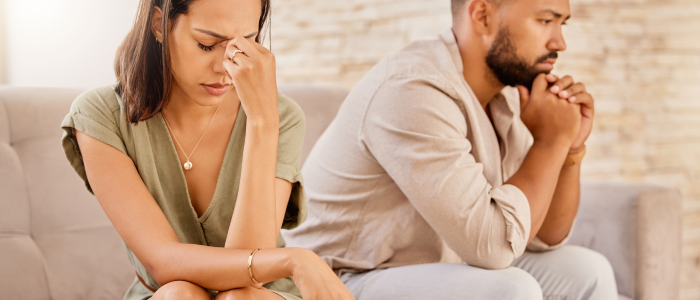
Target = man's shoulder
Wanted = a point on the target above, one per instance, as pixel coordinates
(422, 67)
(422, 59)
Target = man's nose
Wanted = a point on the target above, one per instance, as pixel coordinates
(557, 43)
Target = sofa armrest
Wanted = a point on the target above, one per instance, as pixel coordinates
(638, 228)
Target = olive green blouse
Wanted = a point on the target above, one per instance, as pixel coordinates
(99, 113)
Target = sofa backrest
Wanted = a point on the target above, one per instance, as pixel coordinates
(55, 240)
(320, 105)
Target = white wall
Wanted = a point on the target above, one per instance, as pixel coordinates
(3, 43)
(65, 43)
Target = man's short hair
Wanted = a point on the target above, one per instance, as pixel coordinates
(458, 6)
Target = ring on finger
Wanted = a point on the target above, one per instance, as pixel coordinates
(234, 53)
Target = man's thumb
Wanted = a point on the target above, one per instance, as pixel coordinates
(524, 96)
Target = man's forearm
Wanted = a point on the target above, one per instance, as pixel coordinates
(563, 207)
(537, 179)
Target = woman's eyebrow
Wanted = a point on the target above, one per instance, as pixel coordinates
(223, 37)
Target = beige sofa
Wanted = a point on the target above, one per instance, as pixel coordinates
(56, 242)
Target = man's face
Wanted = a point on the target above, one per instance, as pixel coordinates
(528, 40)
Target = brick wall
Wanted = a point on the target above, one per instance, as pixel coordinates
(639, 58)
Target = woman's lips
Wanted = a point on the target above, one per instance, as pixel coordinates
(216, 89)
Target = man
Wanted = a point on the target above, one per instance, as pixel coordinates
(461, 149)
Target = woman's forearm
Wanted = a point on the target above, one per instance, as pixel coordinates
(254, 223)
(218, 268)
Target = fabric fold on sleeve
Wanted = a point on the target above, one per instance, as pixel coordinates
(92, 115)
(298, 206)
(537, 245)
(513, 202)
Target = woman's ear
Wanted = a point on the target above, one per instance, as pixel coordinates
(157, 23)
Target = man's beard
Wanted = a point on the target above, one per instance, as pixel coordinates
(510, 69)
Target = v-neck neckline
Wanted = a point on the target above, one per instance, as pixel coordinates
(237, 127)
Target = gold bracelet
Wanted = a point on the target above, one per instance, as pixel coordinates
(575, 156)
(250, 264)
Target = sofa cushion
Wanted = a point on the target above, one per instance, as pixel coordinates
(55, 240)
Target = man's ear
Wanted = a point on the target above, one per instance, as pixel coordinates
(480, 14)
(157, 23)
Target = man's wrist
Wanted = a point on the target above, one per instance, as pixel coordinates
(576, 150)
(575, 156)
(560, 144)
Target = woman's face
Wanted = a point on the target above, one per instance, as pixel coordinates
(197, 44)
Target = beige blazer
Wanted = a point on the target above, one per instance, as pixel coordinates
(411, 171)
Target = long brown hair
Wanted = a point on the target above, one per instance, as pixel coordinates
(142, 64)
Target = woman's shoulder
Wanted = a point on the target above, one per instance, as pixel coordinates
(290, 112)
(102, 101)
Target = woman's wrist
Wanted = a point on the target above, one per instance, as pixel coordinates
(296, 257)
(264, 124)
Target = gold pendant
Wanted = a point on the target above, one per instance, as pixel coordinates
(188, 165)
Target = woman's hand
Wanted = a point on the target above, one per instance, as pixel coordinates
(254, 77)
(315, 279)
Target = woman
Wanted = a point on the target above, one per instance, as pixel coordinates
(194, 127)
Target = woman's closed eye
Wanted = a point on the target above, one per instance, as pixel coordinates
(206, 48)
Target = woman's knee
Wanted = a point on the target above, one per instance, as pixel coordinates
(177, 290)
(247, 293)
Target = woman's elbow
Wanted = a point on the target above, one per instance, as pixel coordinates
(160, 266)
(161, 275)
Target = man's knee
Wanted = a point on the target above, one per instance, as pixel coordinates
(507, 284)
(519, 285)
(180, 290)
(587, 267)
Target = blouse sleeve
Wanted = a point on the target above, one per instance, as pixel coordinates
(291, 139)
(94, 113)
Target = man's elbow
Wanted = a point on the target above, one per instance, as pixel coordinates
(498, 259)
(491, 263)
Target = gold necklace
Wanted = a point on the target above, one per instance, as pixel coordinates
(188, 165)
